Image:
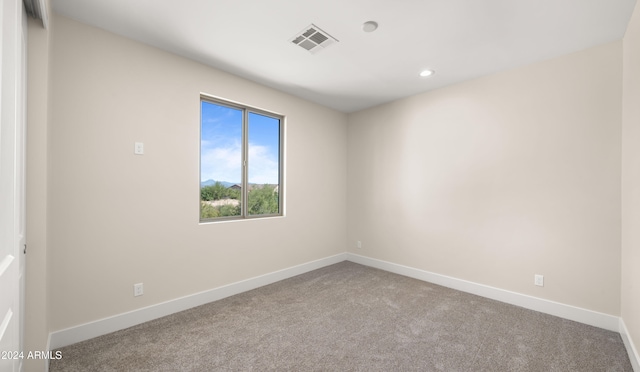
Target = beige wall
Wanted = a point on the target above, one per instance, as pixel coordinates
(490, 181)
(500, 178)
(631, 180)
(36, 330)
(117, 219)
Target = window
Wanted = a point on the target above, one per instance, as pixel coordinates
(240, 161)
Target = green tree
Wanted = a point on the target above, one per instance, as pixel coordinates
(230, 210)
(263, 200)
(233, 193)
(217, 191)
(208, 211)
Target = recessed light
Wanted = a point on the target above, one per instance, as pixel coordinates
(369, 26)
(425, 73)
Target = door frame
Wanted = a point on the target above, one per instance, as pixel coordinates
(13, 39)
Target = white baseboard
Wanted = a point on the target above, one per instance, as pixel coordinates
(114, 323)
(634, 357)
(577, 314)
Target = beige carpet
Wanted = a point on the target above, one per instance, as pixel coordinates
(348, 317)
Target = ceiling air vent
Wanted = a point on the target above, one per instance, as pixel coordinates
(313, 39)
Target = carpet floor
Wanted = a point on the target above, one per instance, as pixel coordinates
(349, 317)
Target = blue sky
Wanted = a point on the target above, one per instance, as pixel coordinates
(221, 145)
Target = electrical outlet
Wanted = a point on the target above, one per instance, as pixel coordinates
(138, 148)
(359, 244)
(538, 280)
(138, 290)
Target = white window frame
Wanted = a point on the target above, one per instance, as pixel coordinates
(246, 110)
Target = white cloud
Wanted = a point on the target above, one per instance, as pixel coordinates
(224, 163)
(263, 165)
(221, 163)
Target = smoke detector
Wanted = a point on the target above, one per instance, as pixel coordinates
(313, 39)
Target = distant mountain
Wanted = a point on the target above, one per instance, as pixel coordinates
(212, 182)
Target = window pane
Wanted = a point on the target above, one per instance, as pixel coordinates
(220, 161)
(264, 165)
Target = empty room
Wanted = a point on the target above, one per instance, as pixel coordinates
(340, 185)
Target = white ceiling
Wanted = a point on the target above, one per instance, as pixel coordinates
(459, 39)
